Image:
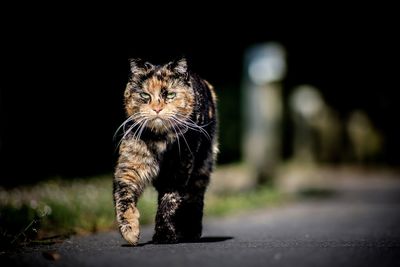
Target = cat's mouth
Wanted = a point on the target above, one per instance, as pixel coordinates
(157, 120)
(158, 124)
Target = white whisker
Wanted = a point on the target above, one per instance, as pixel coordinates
(177, 136)
(138, 122)
(133, 117)
(129, 119)
(192, 126)
(184, 139)
(141, 130)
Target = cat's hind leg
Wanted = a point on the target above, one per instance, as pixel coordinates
(190, 214)
(180, 213)
(169, 204)
(189, 217)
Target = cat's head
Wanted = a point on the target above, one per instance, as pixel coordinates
(159, 97)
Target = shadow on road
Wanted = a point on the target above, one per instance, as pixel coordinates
(205, 239)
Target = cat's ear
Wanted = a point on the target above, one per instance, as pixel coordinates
(179, 66)
(139, 66)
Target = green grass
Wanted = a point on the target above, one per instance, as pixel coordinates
(59, 207)
(229, 203)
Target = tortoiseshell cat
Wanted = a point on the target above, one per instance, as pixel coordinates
(170, 141)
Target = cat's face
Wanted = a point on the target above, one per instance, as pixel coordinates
(159, 97)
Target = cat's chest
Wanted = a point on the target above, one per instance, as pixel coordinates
(175, 150)
(158, 147)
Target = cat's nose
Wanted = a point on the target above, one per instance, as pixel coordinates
(157, 109)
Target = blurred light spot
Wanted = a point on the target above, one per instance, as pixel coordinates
(307, 101)
(267, 64)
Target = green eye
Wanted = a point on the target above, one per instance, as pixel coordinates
(144, 96)
(171, 95)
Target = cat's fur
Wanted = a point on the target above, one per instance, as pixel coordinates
(170, 141)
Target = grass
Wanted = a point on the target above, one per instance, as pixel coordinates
(57, 208)
(228, 203)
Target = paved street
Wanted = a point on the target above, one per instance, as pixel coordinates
(358, 226)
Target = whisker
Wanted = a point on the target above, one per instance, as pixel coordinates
(164, 125)
(183, 118)
(185, 125)
(177, 137)
(192, 126)
(138, 122)
(129, 119)
(138, 128)
(141, 130)
(195, 124)
(184, 139)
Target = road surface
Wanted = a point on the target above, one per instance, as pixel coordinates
(359, 226)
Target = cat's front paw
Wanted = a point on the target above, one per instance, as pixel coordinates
(131, 234)
(129, 227)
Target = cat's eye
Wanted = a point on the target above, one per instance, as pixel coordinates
(144, 96)
(171, 95)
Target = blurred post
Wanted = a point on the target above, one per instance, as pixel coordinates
(306, 104)
(317, 128)
(264, 67)
(365, 140)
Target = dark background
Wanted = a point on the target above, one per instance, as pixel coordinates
(64, 72)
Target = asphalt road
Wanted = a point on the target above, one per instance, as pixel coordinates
(359, 226)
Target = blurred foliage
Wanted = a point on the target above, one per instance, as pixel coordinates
(217, 205)
(58, 208)
(61, 207)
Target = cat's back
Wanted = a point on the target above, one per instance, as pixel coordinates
(206, 97)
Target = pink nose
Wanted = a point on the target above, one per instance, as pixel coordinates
(157, 109)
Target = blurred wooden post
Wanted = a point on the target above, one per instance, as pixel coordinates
(365, 140)
(306, 105)
(316, 127)
(264, 68)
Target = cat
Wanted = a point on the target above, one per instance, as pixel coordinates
(169, 140)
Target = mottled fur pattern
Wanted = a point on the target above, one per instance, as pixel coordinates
(169, 140)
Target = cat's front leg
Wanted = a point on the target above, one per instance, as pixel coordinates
(126, 193)
(136, 167)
